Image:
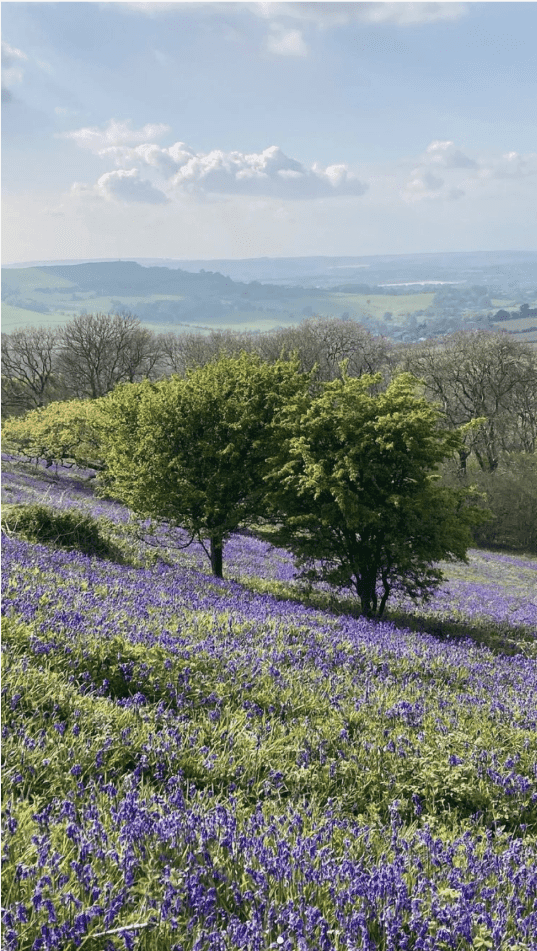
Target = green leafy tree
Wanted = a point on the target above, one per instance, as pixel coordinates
(354, 486)
(65, 432)
(192, 451)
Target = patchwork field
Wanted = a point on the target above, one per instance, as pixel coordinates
(204, 765)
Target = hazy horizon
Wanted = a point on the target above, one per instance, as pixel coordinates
(238, 131)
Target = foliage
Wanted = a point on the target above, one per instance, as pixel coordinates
(193, 450)
(66, 431)
(511, 496)
(67, 529)
(354, 486)
(323, 344)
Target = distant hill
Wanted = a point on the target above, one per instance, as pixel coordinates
(406, 297)
(473, 266)
(128, 277)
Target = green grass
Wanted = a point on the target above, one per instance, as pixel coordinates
(375, 305)
(78, 683)
(26, 279)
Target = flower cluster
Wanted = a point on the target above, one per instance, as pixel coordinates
(194, 764)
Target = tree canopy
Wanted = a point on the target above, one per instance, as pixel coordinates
(64, 432)
(193, 450)
(354, 488)
(346, 470)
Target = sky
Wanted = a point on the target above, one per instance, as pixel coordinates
(237, 130)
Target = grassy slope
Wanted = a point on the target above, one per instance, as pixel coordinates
(225, 770)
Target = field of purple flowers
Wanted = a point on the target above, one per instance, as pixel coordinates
(204, 765)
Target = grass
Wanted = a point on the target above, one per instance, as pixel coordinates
(376, 305)
(202, 765)
(26, 279)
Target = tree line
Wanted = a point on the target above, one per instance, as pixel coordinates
(475, 375)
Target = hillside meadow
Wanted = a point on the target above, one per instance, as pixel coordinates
(194, 764)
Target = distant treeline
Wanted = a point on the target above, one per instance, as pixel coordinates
(472, 375)
(524, 311)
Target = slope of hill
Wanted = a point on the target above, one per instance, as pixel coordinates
(217, 764)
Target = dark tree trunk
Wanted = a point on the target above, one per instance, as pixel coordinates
(463, 456)
(387, 588)
(366, 587)
(216, 557)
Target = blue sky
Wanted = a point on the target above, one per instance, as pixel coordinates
(246, 129)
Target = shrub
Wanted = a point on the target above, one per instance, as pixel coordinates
(511, 493)
(67, 529)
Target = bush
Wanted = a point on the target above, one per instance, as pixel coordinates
(67, 529)
(511, 493)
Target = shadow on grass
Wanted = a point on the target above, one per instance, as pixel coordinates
(499, 637)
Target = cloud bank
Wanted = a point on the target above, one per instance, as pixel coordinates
(126, 185)
(141, 171)
(179, 169)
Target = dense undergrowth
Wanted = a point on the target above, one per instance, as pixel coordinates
(206, 765)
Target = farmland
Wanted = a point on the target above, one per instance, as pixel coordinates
(209, 765)
(393, 302)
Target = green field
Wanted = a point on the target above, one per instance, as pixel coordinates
(15, 318)
(25, 279)
(376, 305)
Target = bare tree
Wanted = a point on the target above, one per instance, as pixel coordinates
(482, 374)
(97, 351)
(184, 351)
(326, 342)
(29, 369)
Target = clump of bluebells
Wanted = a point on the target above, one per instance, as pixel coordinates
(192, 764)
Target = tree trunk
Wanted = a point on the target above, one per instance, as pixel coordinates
(387, 588)
(366, 587)
(216, 557)
(463, 456)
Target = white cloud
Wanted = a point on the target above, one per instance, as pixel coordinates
(447, 155)
(269, 173)
(166, 160)
(409, 14)
(114, 134)
(514, 165)
(334, 13)
(284, 42)
(422, 184)
(11, 69)
(460, 172)
(126, 185)
(461, 175)
(153, 7)
(11, 55)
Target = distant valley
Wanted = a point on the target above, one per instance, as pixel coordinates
(404, 297)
